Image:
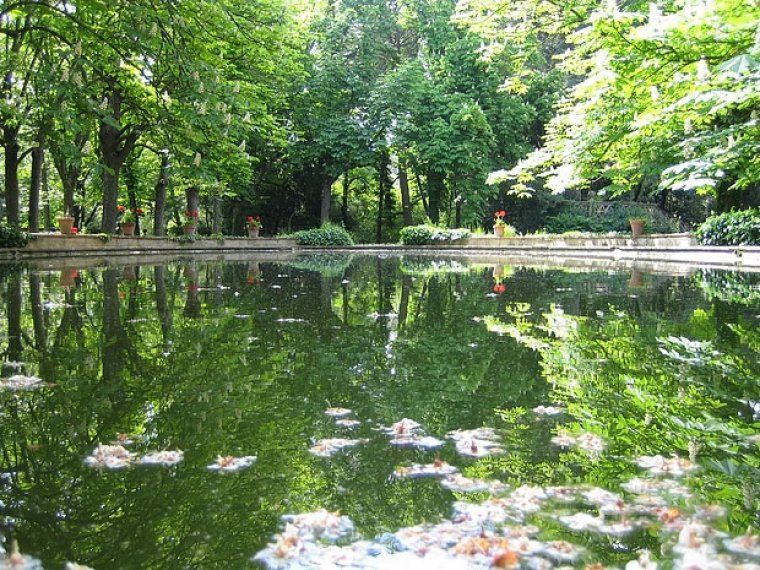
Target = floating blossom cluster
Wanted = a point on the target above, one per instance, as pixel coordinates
(476, 442)
(408, 433)
(109, 457)
(438, 468)
(588, 442)
(328, 447)
(231, 464)
(118, 457)
(338, 412)
(341, 417)
(497, 533)
(21, 383)
(164, 458)
(494, 533)
(461, 484)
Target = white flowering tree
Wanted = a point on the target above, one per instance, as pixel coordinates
(661, 97)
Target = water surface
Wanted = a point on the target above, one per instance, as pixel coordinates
(243, 358)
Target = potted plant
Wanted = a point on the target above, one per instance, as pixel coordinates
(637, 226)
(253, 223)
(65, 223)
(129, 219)
(499, 225)
(191, 222)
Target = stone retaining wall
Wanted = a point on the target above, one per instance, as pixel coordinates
(58, 245)
(660, 249)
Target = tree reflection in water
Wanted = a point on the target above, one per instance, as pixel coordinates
(235, 359)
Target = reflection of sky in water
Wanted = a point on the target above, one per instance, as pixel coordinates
(232, 366)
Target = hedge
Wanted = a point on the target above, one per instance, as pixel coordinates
(426, 235)
(731, 228)
(327, 235)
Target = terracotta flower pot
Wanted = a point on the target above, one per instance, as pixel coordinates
(65, 223)
(128, 228)
(191, 229)
(637, 228)
(498, 231)
(253, 232)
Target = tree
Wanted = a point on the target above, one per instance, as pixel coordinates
(657, 104)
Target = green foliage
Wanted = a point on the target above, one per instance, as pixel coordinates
(427, 235)
(615, 220)
(657, 102)
(326, 236)
(416, 235)
(731, 228)
(185, 238)
(12, 237)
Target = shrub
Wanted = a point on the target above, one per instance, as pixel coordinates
(416, 235)
(731, 228)
(425, 235)
(327, 235)
(12, 237)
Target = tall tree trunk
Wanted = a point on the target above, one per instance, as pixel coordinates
(115, 146)
(11, 148)
(216, 215)
(436, 187)
(326, 198)
(160, 195)
(69, 171)
(35, 186)
(47, 221)
(110, 196)
(192, 196)
(380, 203)
(406, 202)
(131, 183)
(344, 203)
(385, 198)
(422, 193)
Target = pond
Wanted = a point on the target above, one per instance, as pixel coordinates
(353, 381)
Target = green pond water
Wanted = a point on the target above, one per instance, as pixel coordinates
(243, 358)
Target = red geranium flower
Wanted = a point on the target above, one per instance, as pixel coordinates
(74, 230)
(139, 212)
(249, 219)
(499, 288)
(120, 209)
